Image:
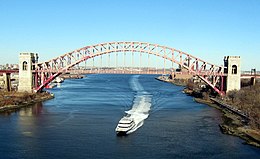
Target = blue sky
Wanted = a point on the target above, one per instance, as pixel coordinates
(208, 29)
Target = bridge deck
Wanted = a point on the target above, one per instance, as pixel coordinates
(9, 71)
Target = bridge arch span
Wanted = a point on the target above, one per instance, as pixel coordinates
(56, 66)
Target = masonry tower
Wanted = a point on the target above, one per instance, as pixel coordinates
(27, 62)
(232, 68)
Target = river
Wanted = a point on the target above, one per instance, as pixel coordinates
(80, 123)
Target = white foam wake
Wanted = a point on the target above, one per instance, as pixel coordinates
(135, 85)
(141, 104)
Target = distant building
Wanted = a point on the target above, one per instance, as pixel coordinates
(9, 67)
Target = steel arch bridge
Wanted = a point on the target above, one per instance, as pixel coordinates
(47, 71)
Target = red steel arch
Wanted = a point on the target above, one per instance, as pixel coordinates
(47, 71)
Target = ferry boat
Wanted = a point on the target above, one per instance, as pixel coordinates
(125, 125)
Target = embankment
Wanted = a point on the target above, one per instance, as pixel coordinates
(232, 123)
(12, 101)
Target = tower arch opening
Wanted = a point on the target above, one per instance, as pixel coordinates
(25, 66)
(234, 69)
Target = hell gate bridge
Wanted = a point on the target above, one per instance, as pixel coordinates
(34, 75)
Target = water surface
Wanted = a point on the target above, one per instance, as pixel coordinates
(80, 123)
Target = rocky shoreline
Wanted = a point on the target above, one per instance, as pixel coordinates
(14, 101)
(232, 124)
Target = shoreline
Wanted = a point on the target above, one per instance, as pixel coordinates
(13, 101)
(232, 124)
(22, 103)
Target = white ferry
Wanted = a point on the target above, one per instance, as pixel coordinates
(125, 124)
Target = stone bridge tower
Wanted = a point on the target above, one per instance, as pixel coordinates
(27, 63)
(233, 70)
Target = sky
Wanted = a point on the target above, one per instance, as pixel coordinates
(207, 29)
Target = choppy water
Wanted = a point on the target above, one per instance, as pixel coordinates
(80, 123)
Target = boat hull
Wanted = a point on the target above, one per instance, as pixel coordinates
(121, 133)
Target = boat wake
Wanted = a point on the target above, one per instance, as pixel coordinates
(141, 104)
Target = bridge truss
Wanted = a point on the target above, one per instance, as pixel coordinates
(47, 71)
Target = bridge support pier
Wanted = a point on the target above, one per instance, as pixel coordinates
(233, 70)
(7, 81)
(27, 63)
(252, 81)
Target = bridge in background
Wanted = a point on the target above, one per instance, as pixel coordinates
(43, 73)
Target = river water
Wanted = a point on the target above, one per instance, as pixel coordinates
(80, 123)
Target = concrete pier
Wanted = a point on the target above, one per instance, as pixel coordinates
(7, 81)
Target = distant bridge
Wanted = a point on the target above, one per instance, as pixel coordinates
(247, 76)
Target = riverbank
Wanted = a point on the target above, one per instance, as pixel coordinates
(12, 101)
(175, 81)
(232, 123)
(72, 76)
